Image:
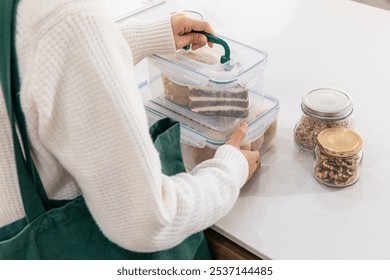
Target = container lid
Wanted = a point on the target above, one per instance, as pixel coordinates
(327, 104)
(340, 142)
(203, 66)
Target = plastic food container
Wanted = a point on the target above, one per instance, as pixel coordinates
(217, 86)
(200, 142)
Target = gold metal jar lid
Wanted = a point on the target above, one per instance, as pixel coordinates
(340, 142)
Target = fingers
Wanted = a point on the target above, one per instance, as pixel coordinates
(254, 162)
(196, 25)
(195, 39)
(253, 157)
(238, 135)
(246, 147)
(183, 27)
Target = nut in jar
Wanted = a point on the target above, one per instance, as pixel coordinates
(338, 157)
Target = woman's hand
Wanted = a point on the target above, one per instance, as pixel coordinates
(253, 157)
(182, 27)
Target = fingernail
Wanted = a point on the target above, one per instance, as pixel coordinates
(243, 124)
(202, 39)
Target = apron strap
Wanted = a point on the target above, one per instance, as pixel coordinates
(32, 192)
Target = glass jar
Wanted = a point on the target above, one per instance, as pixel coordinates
(322, 108)
(338, 157)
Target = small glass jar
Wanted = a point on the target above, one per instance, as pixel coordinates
(322, 108)
(338, 157)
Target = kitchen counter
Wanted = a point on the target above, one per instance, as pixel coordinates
(283, 212)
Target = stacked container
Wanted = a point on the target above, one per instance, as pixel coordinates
(210, 95)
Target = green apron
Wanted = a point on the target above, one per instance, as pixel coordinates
(64, 229)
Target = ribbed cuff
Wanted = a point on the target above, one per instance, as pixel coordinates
(151, 37)
(237, 162)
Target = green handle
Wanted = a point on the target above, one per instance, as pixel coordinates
(214, 39)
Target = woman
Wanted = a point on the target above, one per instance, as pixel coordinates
(88, 129)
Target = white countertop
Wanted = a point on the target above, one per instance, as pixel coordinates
(283, 212)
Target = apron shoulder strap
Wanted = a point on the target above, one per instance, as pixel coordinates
(31, 188)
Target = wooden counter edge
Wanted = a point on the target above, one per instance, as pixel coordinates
(222, 248)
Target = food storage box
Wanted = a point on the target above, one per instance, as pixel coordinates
(199, 142)
(204, 86)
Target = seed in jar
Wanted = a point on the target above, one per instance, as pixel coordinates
(307, 130)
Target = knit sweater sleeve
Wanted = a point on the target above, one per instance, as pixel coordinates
(146, 38)
(83, 101)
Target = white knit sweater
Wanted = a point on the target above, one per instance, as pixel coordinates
(89, 132)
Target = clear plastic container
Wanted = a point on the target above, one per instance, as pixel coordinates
(198, 85)
(200, 141)
(338, 157)
(322, 108)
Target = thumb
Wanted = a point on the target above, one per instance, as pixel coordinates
(191, 38)
(238, 135)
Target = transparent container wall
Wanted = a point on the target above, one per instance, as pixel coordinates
(193, 155)
(174, 96)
